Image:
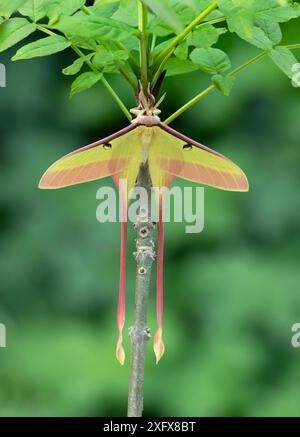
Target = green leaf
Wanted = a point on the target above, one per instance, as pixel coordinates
(284, 59)
(223, 83)
(42, 47)
(271, 30)
(206, 36)
(212, 61)
(14, 30)
(105, 10)
(239, 15)
(159, 28)
(84, 42)
(278, 11)
(162, 46)
(127, 13)
(197, 5)
(34, 9)
(259, 39)
(55, 8)
(92, 27)
(176, 66)
(74, 68)
(8, 7)
(182, 51)
(84, 82)
(109, 61)
(165, 11)
(183, 12)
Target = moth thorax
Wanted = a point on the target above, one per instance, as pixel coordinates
(147, 120)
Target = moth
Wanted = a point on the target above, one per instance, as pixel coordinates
(169, 154)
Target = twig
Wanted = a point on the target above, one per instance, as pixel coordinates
(139, 333)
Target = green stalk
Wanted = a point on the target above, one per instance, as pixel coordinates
(293, 46)
(142, 27)
(213, 21)
(190, 103)
(93, 68)
(86, 10)
(179, 38)
(211, 88)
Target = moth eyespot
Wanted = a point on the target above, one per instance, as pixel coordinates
(107, 146)
(187, 147)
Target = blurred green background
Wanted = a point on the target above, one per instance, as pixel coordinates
(231, 292)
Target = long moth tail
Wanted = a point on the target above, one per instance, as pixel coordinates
(158, 345)
(120, 353)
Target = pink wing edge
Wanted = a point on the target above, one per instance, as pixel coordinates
(117, 134)
(188, 140)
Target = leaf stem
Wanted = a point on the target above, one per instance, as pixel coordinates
(213, 21)
(293, 46)
(93, 68)
(211, 88)
(142, 27)
(86, 10)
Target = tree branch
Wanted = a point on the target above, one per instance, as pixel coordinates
(139, 333)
